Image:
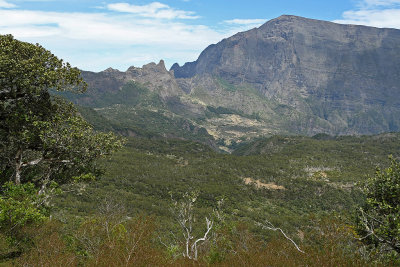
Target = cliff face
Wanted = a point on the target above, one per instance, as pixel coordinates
(298, 53)
(339, 73)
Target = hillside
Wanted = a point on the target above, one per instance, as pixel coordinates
(284, 179)
(204, 145)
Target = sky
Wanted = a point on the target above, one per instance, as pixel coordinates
(94, 34)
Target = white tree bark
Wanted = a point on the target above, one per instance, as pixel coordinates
(18, 166)
(194, 245)
(183, 212)
(270, 226)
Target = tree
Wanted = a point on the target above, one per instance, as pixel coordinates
(184, 214)
(27, 73)
(43, 138)
(44, 141)
(378, 222)
(20, 206)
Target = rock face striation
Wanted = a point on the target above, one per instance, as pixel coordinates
(346, 75)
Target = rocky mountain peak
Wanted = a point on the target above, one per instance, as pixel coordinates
(160, 67)
(155, 76)
(110, 70)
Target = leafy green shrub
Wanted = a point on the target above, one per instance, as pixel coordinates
(378, 223)
(20, 206)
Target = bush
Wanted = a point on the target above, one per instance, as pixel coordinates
(378, 222)
(20, 207)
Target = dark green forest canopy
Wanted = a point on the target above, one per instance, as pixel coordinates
(43, 138)
(318, 176)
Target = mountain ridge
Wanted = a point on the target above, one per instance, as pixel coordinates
(291, 56)
(292, 75)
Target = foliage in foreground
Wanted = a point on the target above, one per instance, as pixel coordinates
(27, 73)
(379, 219)
(107, 241)
(20, 205)
(44, 141)
(42, 138)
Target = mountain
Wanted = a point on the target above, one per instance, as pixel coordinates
(292, 75)
(139, 102)
(346, 77)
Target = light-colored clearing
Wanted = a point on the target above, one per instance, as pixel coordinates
(213, 132)
(258, 184)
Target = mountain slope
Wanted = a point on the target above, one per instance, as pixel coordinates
(345, 78)
(139, 102)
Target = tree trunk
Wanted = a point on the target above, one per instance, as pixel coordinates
(18, 166)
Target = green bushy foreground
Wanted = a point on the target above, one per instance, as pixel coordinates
(279, 201)
(313, 176)
(127, 218)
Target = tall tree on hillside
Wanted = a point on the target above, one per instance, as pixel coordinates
(43, 138)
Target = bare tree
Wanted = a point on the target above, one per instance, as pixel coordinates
(184, 214)
(99, 230)
(269, 226)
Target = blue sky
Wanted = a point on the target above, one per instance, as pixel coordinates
(94, 35)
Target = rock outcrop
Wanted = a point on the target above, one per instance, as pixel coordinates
(155, 76)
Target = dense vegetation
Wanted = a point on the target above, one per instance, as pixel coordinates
(378, 222)
(157, 201)
(315, 176)
(318, 176)
(140, 179)
(44, 141)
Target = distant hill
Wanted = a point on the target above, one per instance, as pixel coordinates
(292, 75)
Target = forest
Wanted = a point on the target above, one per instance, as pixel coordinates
(76, 192)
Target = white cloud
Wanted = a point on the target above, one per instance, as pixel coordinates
(378, 3)
(153, 10)
(104, 28)
(5, 4)
(96, 41)
(387, 18)
(101, 39)
(245, 21)
(376, 13)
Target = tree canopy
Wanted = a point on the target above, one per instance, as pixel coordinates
(44, 141)
(43, 138)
